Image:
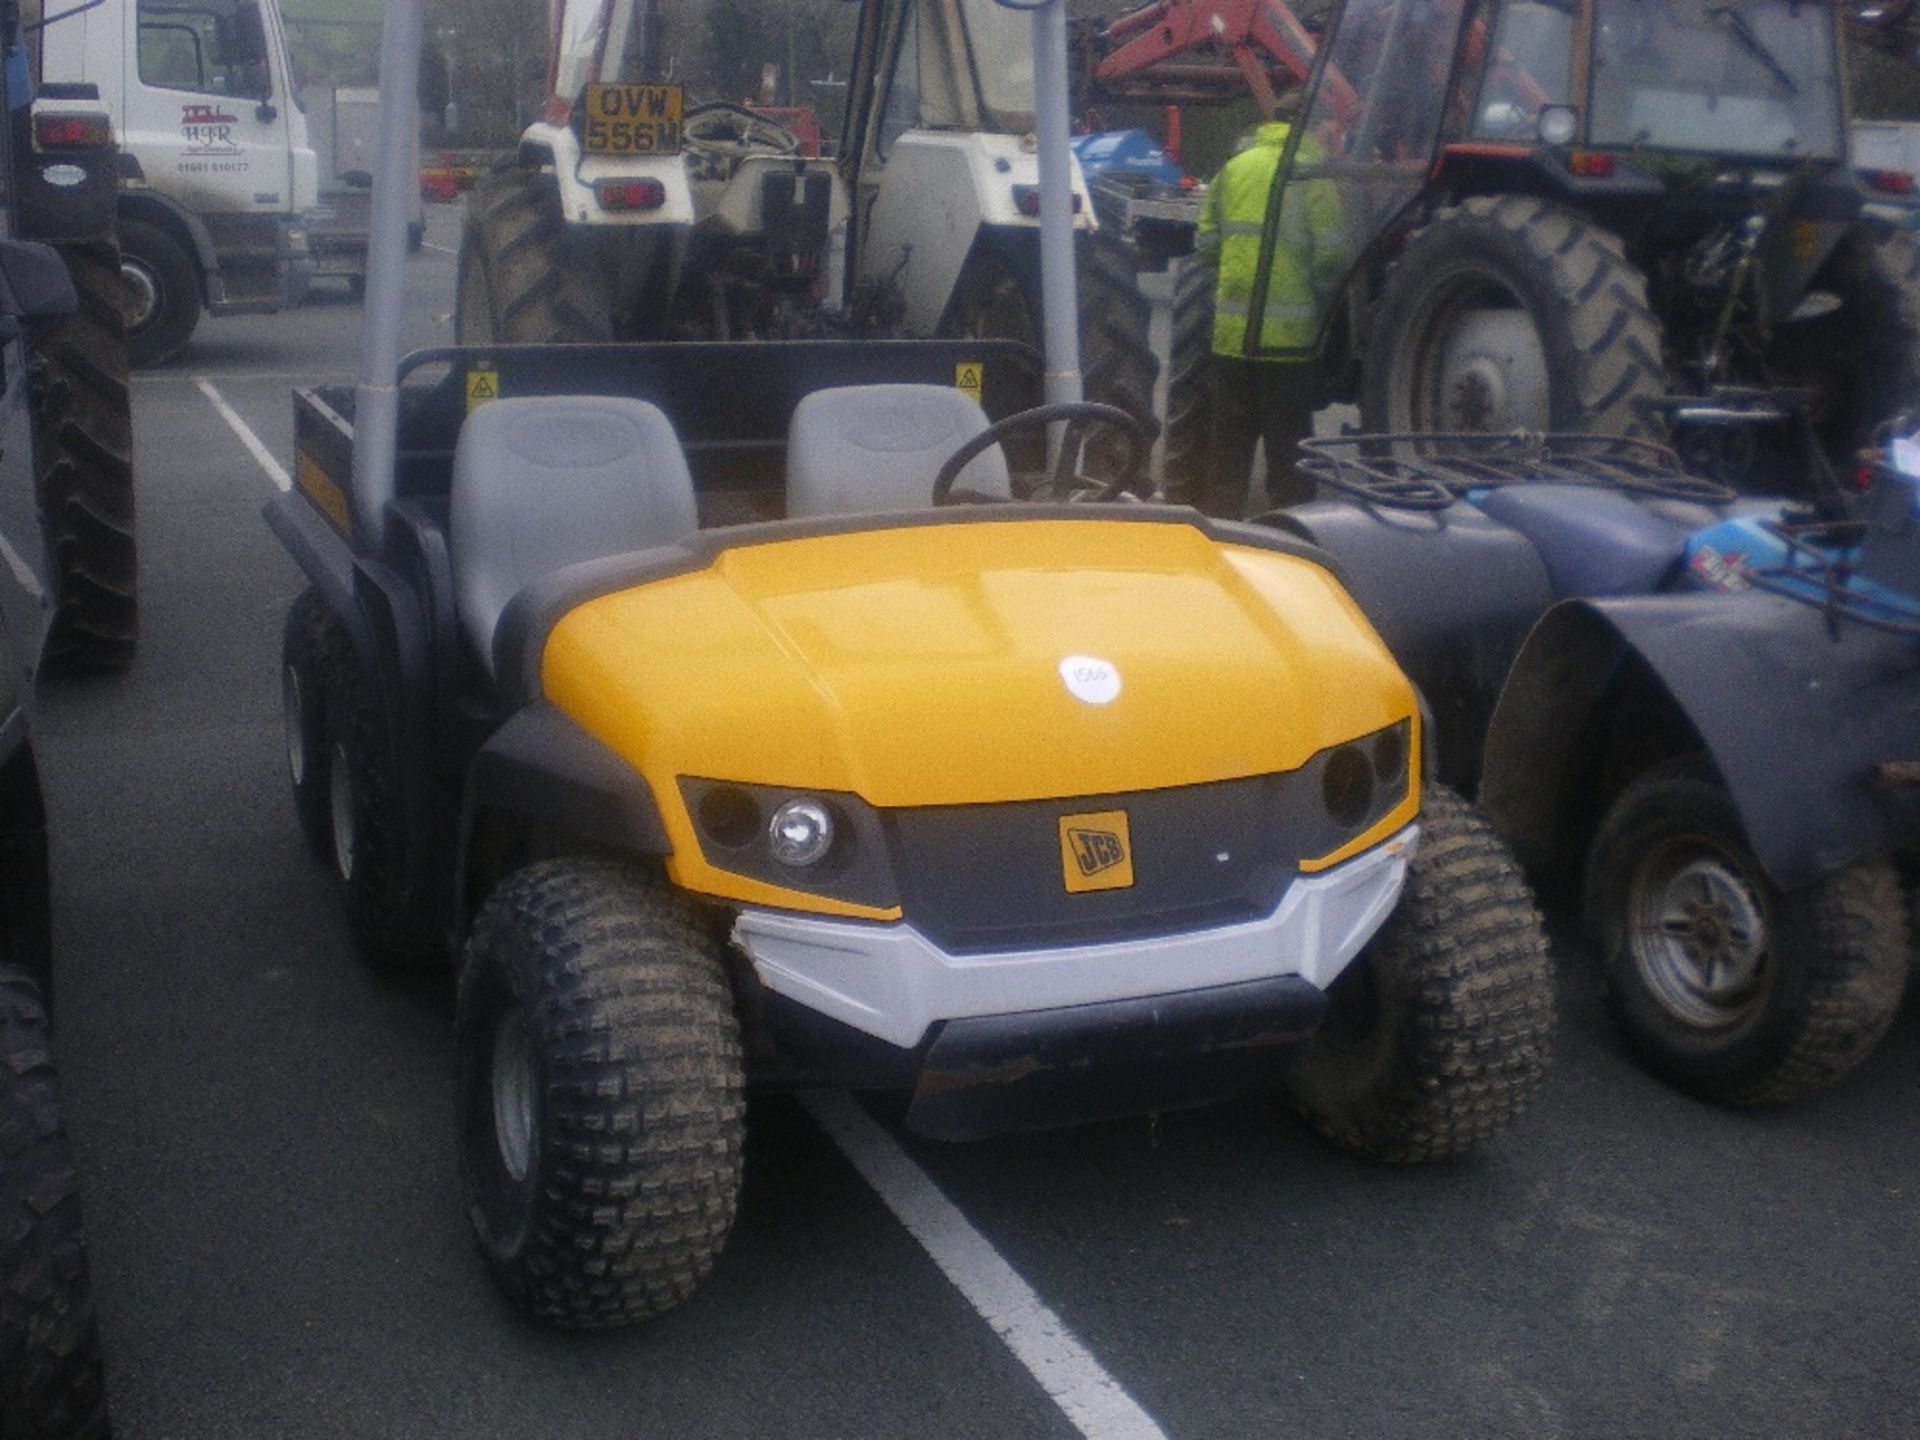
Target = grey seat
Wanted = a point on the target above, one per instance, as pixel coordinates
(864, 448)
(543, 482)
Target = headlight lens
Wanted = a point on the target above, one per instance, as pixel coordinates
(800, 833)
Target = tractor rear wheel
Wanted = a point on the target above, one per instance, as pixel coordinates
(1190, 384)
(524, 277)
(83, 443)
(1721, 983)
(50, 1374)
(600, 1093)
(1512, 313)
(1438, 1035)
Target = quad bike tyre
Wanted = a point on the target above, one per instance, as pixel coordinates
(83, 442)
(365, 824)
(1510, 312)
(1188, 451)
(51, 1385)
(600, 1094)
(1722, 984)
(312, 647)
(1439, 1034)
(163, 307)
(524, 279)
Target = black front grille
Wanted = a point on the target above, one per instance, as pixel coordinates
(990, 877)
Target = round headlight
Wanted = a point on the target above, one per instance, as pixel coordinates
(801, 833)
(1347, 786)
(1390, 754)
(1557, 124)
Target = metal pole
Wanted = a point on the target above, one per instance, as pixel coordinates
(1058, 291)
(376, 411)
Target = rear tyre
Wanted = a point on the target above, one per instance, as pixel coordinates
(524, 278)
(1439, 1035)
(1721, 984)
(83, 443)
(163, 286)
(365, 824)
(51, 1385)
(1509, 313)
(311, 647)
(600, 1094)
(1190, 385)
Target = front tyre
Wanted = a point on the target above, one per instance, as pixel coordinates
(51, 1386)
(163, 288)
(1511, 313)
(1439, 1034)
(600, 1094)
(1722, 984)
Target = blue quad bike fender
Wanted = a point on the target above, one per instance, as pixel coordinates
(1814, 731)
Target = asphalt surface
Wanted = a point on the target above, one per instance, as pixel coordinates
(273, 1196)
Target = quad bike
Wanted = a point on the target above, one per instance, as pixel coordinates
(1558, 216)
(1702, 713)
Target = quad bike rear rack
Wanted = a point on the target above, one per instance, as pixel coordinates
(1407, 471)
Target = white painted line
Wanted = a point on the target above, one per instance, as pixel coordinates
(252, 441)
(444, 250)
(1087, 1395)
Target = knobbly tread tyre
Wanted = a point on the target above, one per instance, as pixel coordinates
(1839, 955)
(374, 893)
(1188, 451)
(313, 644)
(51, 1384)
(1118, 365)
(637, 1141)
(1588, 302)
(83, 444)
(542, 284)
(1462, 1006)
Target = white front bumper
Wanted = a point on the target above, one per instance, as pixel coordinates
(892, 982)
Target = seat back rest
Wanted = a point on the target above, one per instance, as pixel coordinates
(864, 448)
(546, 481)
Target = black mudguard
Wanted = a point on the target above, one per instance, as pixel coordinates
(1808, 727)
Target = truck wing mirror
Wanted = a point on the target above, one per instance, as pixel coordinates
(34, 285)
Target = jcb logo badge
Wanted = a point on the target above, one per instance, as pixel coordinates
(1095, 852)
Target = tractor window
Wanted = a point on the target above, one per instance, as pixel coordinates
(1529, 67)
(211, 47)
(1000, 41)
(902, 109)
(1719, 77)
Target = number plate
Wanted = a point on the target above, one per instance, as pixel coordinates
(633, 119)
(1096, 852)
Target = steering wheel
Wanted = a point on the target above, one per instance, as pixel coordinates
(1068, 481)
(728, 131)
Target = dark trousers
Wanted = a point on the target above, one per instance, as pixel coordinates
(1270, 400)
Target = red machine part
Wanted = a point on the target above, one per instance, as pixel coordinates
(1174, 51)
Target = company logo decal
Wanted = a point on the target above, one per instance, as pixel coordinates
(1720, 571)
(1090, 679)
(208, 130)
(1096, 852)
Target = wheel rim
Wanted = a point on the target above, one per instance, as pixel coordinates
(143, 294)
(293, 712)
(1473, 361)
(513, 1122)
(1697, 933)
(340, 802)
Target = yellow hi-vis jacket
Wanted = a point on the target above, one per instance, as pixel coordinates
(1308, 253)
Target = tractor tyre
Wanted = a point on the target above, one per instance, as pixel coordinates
(163, 293)
(1440, 1032)
(83, 445)
(1722, 984)
(312, 647)
(524, 277)
(1513, 313)
(600, 1093)
(1862, 360)
(1188, 454)
(366, 824)
(51, 1385)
